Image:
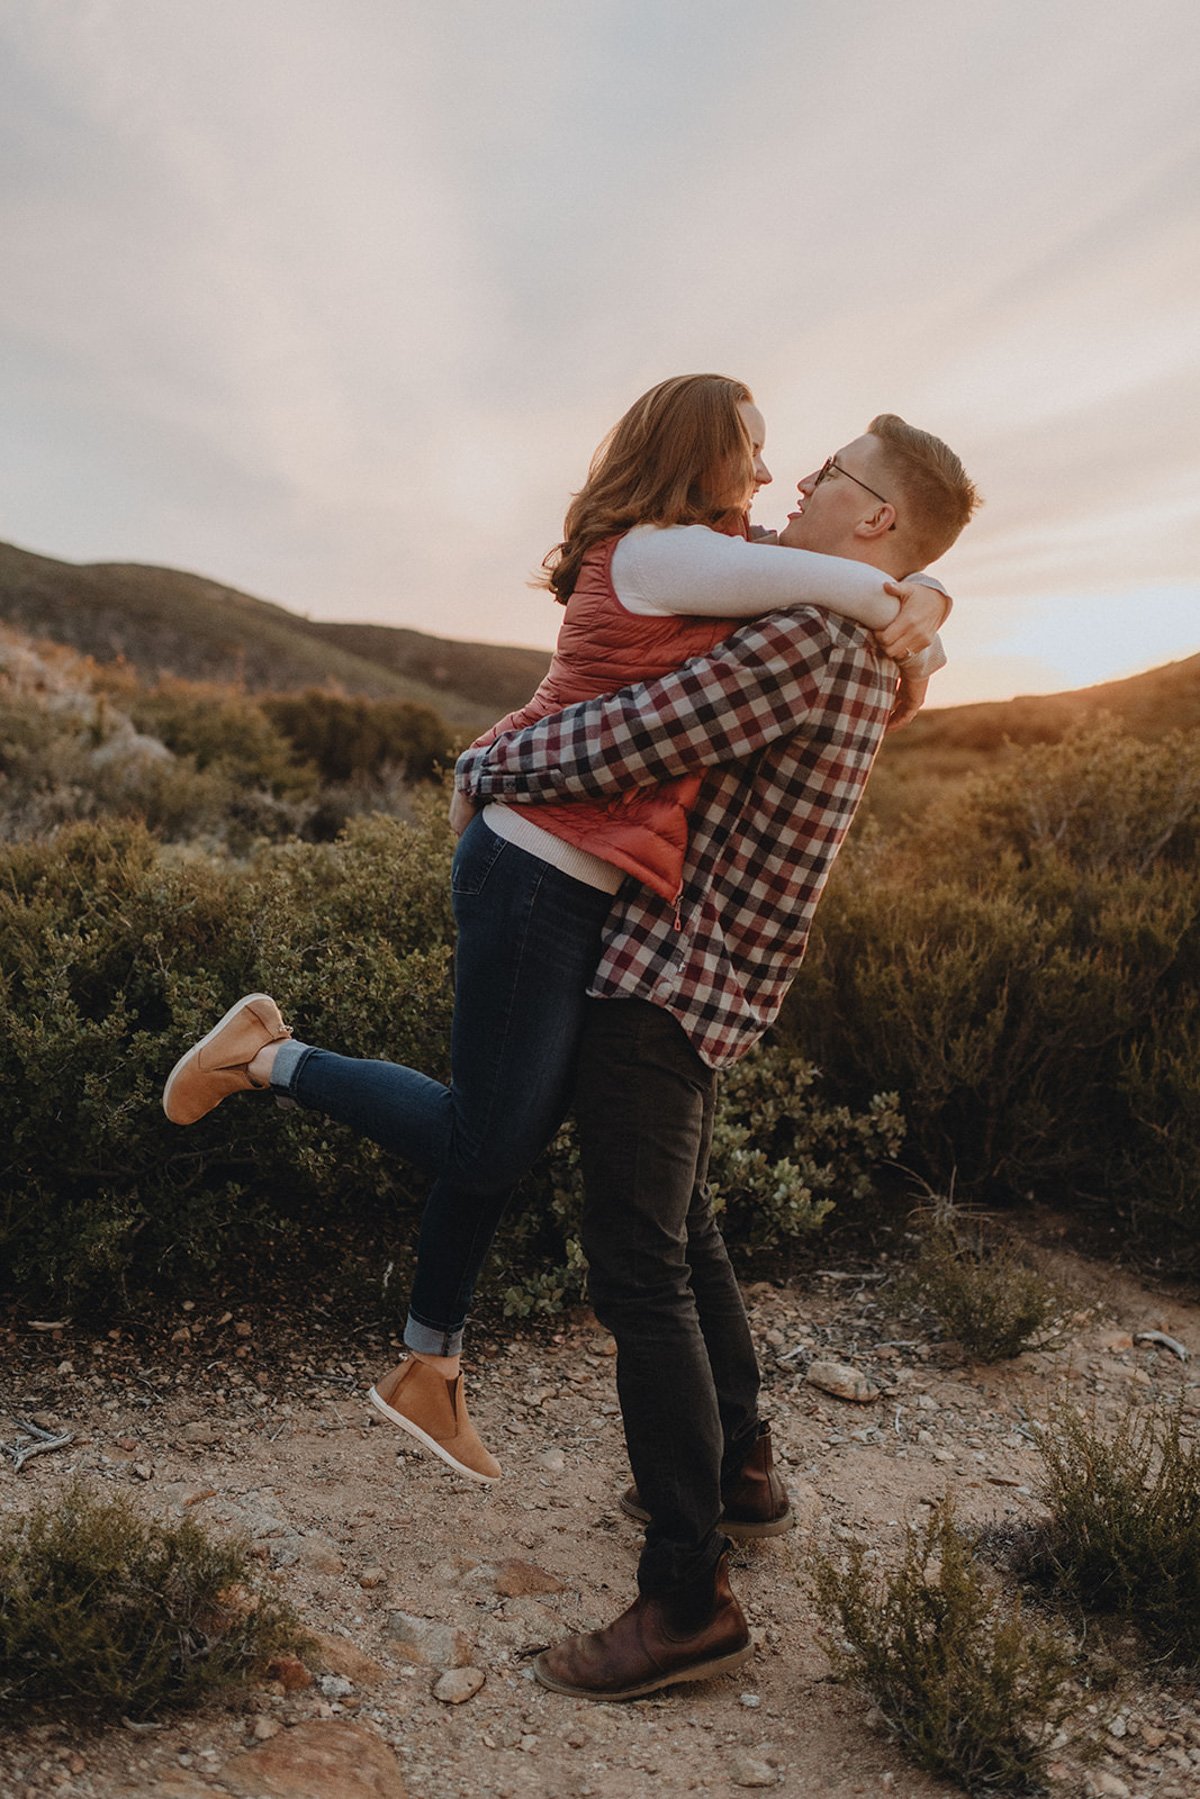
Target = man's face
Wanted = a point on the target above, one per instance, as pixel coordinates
(827, 515)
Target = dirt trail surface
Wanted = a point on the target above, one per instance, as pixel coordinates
(430, 1593)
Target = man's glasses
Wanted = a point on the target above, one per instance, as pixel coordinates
(831, 463)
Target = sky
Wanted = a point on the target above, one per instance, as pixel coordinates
(331, 300)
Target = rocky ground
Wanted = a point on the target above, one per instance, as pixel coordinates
(429, 1594)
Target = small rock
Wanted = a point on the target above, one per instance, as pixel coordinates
(748, 1771)
(457, 1685)
(528, 1743)
(320, 1554)
(335, 1760)
(335, 1686)
(290, 1672)
(1153, 1737)
(1118, 1727)
(554, 1460)
(265, 1729)
(142, 1471)
(428, 1643)
(242, 1329)
(514, 1579)
(842, 1381)
(370, 1578)
(1107, 1785)
(201, 1431)
(750, 1700)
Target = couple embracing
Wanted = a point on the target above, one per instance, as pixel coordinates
(641, 851)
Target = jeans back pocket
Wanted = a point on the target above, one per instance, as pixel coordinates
(479, 849)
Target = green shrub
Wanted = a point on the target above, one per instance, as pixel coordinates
(1124, 1530)
(1022, 967)
(113, 957)
(969, 1686)
(783, 1155)
(345, 738)
(981, 1291)
(103, 1615)
(221, 727)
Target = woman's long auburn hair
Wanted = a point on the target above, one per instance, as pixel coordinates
(680, 456)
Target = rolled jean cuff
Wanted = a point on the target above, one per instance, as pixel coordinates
(290, 1058)
(430, 1340)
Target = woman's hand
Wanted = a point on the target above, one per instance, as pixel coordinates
(462, 811)
(910, 697)
(922, 613)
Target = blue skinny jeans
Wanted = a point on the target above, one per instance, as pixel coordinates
(528, 944)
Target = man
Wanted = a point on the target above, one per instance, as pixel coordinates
(785, 717)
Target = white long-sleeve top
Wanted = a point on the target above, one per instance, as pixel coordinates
(662, 570)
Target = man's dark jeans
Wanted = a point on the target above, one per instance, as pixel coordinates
(660, 1279)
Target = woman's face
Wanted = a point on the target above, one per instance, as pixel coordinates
(756, 431)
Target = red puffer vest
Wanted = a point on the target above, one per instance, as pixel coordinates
(601, 647)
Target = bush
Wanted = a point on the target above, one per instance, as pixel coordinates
(971, 1689)
(1022, 968)
(113, 957)
(1124, 1532)
(103, 1615)
(221, 727)
(347, 738)
(783, 1155)
(198, 762)
(980, 1290)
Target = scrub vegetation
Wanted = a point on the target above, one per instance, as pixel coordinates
(967, 1682)
(104, 1615)
(1122, 1541)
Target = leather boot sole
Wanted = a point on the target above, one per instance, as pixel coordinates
(247, 999)
(428, 1442)
(705, 1670)
(741, 1532)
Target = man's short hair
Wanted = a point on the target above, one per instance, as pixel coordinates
(938, 495)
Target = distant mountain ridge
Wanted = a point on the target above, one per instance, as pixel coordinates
(166, 621)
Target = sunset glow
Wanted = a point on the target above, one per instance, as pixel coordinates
(332, 302)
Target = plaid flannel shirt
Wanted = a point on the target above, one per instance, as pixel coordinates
(785, 715)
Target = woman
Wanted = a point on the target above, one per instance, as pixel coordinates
(655, 566)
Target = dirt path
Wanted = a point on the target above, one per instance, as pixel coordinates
(228, 1419)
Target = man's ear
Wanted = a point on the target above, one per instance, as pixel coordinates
(881, 521)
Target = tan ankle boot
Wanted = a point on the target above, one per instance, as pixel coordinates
(434, 1411)
(219, 1064)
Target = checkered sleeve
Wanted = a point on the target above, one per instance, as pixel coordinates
(765, 681)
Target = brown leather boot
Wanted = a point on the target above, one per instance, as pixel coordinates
(652, 1645)
(755, 1502)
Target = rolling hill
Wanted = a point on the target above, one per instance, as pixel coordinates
(162, 620)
